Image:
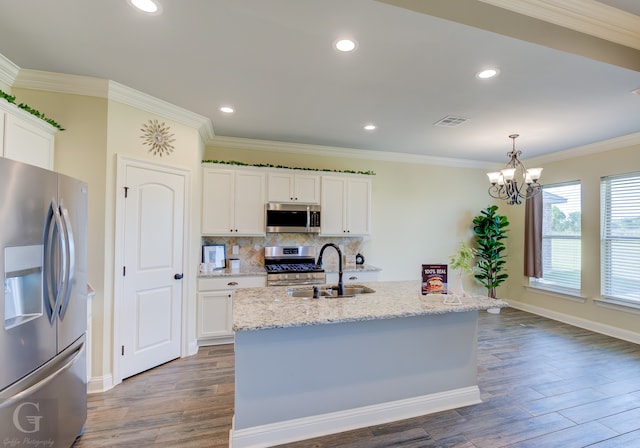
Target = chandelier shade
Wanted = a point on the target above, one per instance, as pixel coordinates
(514, 183)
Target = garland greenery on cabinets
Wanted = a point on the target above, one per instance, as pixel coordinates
(12, 99)
(268, 165)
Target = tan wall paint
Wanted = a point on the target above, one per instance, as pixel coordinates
(420, 212)
(80, 151)
(588, 170)
(124, 138)
(96, 130)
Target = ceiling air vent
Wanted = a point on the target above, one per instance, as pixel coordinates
(450, 121)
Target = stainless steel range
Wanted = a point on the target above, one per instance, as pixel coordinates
(292, 265)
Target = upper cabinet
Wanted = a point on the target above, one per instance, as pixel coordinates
(233, 201)
(25, 137)
(286, 186)
(346, 205)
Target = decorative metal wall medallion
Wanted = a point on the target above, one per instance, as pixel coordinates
(157, 136)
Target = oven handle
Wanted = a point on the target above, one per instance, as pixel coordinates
(288, 283)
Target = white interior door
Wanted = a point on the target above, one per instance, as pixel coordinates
(150, 318)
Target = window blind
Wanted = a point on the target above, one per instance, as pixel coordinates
(620, 208)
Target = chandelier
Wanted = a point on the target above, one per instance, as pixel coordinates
(509, 183)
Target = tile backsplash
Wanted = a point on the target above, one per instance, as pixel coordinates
(251, 249)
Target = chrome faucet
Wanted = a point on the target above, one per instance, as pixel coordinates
(319, 263)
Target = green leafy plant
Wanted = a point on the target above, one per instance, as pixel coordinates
(268, 165)
(12, 99)
(462, 260)
(490, 229)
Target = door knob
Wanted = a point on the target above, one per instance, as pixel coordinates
(178, 276)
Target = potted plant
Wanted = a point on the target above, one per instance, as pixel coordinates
(462, 262)
(490, 229)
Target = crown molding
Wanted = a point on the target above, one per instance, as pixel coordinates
(624, 141)
(586, 16)
(62, 83)
(331, 151)
(103, 88)
(148, 103)
(8, 71)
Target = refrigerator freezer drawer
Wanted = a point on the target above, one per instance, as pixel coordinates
(48, 406)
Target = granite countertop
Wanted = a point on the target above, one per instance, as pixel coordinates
(228, 272)
(271, 307)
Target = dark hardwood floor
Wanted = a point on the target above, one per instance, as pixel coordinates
(543, 384)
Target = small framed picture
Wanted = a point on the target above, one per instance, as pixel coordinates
(215, 254)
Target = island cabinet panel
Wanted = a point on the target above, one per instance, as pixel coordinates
(289, 187)
(353, 276)
(233, 202)
(346, 205)
(300, 382)
(215, 307)
(26, 138)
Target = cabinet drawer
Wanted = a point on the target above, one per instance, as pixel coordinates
(218, 283)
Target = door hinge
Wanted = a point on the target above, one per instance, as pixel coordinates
(124, 271)
(123, 350)
(126, 191)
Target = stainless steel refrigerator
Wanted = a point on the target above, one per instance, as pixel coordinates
(43, 374)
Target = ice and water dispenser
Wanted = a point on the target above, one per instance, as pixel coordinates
(22, 284)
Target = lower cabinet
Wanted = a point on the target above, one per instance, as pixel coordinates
(215, 307)
(353, 277)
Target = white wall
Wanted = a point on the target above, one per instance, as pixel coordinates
(420, 211)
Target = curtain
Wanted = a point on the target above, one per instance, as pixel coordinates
(533, 237)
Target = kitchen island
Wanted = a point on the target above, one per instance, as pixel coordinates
(311, 367)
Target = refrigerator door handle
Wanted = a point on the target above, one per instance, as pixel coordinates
(48, 287)
(55, 270)
(70, 262)
(69, 360)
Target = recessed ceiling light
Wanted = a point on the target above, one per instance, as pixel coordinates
(227, 109)
(345, 45)
(370, 127)
(488, 73)
(148, 6)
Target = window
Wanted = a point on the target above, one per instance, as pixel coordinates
(561, 238)
(620, 252)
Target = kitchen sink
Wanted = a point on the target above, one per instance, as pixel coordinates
(329, 291)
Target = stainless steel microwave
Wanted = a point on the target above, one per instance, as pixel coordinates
(292, 218)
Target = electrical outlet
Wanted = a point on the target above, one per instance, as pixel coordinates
(235, 250)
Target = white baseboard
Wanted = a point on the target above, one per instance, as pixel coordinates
(215, 341)
(99, 384)
(320, 425)
(590, 325)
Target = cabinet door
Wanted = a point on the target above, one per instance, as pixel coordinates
(249, 203)
(28, 143)
(307, 188)
(333, 206)
(280, 187)
(358, 209)
(215, 314)
(217, 202)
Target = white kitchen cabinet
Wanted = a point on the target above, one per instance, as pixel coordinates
(346, 205)
(215, 307)
(233, 202)
(352, 277)
(25, 137)
(285, 186)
